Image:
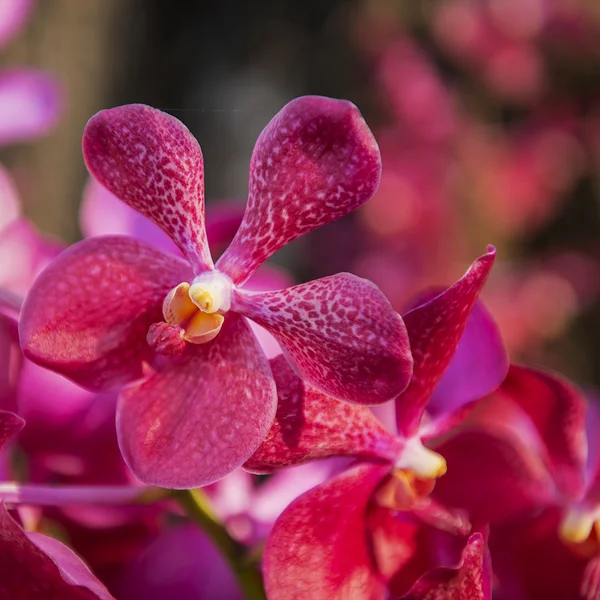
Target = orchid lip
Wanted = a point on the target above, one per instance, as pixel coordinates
(423, 462)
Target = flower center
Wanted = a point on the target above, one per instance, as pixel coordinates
(578, 523)
(193, 313)
(413, 477)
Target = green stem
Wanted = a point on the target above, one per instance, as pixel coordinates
(197, 506)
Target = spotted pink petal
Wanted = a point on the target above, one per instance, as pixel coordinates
(88, 313)
(10, 425)
(319, 547)
(315, 162)
(202, 415)
(30, 103)
(311, 425)
(102, 213)
(35, 566)
(470, 580)
(152, 162)
(13, 15)
(340, 333)
(435, 329)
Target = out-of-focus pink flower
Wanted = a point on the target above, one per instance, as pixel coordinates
(33, 565)
(112, 310)
(321, 546)
(180, 563)
(30, 100)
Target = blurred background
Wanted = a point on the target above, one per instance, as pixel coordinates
(487, 114)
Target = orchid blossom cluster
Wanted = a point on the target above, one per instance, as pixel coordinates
(474, 477)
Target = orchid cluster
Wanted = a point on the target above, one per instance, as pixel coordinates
(326, 446)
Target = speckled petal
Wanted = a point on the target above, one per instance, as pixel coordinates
(30, 104)
(102, 213)
(88, 313)
(319, 547)
(311, 425)
(340, 333)
(10, 425)
(152, 162)
(470, 580)
(434, 330)
(202, 415)
(37, 567)
(315, 162)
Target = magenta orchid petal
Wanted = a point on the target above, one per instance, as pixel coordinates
(478, 367)
(13, 15)
(319, 547)
(102, 213)
(10, 425)
(340, 333)
(498, 467)
(557, 409)
(435, 329)
(35, 566)
(29, 105)
(310, 425)
(152, 162)
(315, 162)
(201, 415)
(470, 580)
(87, 314)
(10, 208)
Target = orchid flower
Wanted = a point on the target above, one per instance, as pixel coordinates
(320, 547)
(533, 447)
(33, 565)
(113, 311)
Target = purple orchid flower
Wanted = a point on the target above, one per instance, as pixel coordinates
(113, 311)
(323, 544)
(33, 565)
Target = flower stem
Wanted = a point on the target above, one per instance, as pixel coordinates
(197, 506)
(71, 495)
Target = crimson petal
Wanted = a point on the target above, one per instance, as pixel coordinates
(311, 425)
(319, 547)
(434, 331)
(35, 566)
(340, 332)
(151, 161)
(498, 465)
(315, 162)
(88, 313)
(202, 415)
(10, 425)
(470, 580)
